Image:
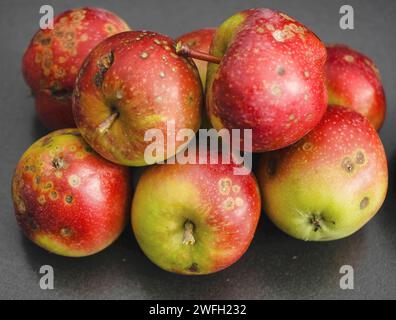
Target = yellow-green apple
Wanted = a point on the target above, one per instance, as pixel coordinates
(266, 73)
(329, 184)
(68, 199)
(353, 81)
(130, 83)
(195, 218)
(199, 40)
(54, 56)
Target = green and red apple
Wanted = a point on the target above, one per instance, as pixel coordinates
(130, 83)
(353, 80)
(195, 219)
(54, 57)
(68, 199)
(269, 77)
(199, 40)
(329, 184)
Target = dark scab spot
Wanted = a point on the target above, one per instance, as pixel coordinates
(280, 71)
(364, 203)
(37, 179)
(69, 198)
(66, 232)
(360, 158)
(104, 64)
(347, 165)
(193, 267)
(58, 163)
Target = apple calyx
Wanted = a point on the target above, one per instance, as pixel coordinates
(188, 237)
(184, 50)
(106, 124)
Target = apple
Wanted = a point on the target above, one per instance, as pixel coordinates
(130, 83)
(353, 81)
(266, 73)
(195, 219)
(199, 40)
(329, 184)
(54, 56)
(68, 199)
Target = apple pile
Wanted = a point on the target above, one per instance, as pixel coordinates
(314, 112)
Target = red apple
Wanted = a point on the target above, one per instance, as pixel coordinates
(54, 56)
(329, 184)
(130, 83)
(199, 40)
(67, 198)
(195, 218)
(353, 81)
(266, 73)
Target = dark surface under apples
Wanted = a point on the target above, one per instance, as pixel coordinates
(276, 266)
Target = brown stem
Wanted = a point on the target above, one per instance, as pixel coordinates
(188, 237)
(184, 50)
(106, 124)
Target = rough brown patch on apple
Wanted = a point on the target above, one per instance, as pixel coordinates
(364, 203)
(104, 64)
(58, 163)
(68, 199)
(347, 164)
(66, 232)
(224, 186)
(360, 158)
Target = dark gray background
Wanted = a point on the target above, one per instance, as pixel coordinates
(275, 266)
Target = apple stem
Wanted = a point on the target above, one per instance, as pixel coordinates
(106, 124)
(188, 237)
(184, 50)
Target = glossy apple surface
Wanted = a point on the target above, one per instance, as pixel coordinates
(67, 198)
(329, 184)
(353, 81)
(131, 83)
(195, 219)
(271, 78)
(54, 56)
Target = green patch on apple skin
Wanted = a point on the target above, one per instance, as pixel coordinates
(335, 99)
(222, 39)
(159, 219)
(53, 245)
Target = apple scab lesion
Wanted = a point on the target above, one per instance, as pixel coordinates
(364, 203)
(225, 186)
(360, 157)
(66, 232)
(347, 165)
(58, 163)
(68, 199)
(104, 64)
